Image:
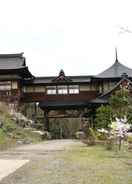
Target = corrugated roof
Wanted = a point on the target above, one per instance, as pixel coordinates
(116, 71)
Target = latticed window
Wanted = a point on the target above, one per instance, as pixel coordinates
(14, 85)
(62, 89)
(51, 90)
(5, 86)
(74, 89)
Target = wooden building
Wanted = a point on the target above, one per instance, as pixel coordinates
(62, 92)
(13, 72)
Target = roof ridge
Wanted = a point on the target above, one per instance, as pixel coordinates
(20, 55)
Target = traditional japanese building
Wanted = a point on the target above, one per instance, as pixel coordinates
(13, 72)
(62, 92)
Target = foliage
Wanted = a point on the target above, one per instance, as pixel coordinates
(9, 125)
(102, 134)
(103, 116)
(2, 136)
(90, 138)
(119, 130)
(119, 103)
(120, 106)
(110, 143)
(11, 131)
(64, 127)
(129, 115)
(129, 139)
(26, 134)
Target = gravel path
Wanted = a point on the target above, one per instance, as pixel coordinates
(43, 158)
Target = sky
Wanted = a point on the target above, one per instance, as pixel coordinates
(78, 36)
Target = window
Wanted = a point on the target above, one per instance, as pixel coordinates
(51, 90)
(39, 89)
(62, 90)
(74, 89)
(14, 85)
(5, 86)
(28, 89)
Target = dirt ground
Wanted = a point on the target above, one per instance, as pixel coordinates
(41, 158)
(67, 162)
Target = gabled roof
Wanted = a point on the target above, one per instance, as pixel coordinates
(116, 71)
(62, 78)
(123, 83)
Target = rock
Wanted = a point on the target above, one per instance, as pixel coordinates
(20, 142)
(80, 135)
(27, 141)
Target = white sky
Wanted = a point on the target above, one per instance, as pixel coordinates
(78, 36)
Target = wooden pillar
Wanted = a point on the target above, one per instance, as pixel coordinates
(35, 108)
(46, 120)
(81, 118)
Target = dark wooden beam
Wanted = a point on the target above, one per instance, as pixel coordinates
(46, 120)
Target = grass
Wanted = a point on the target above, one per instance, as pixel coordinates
(87, 165)
(27, 134)
(79, 165)
(99, 166)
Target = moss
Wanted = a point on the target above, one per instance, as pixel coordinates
(26, 134)
(2, 136)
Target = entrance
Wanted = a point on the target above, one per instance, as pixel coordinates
(64, 128)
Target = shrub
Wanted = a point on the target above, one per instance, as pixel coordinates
(2, 136)
(9, 125)
(129, 139)
(102, 137)
(103, 116)
(110, 143)
(90, 137)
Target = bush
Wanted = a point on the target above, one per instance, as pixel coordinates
(2, 137)
(129, 139)
(46, 135)
(103, 116)
(90, 137)
(26, 134)
(9, 125)
(102, 136)
(110, 143)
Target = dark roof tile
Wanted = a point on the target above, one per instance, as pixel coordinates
(115, 71)
(12, 61)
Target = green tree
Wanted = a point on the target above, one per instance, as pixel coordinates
(120, 103)
(129, 115)
(103, 116)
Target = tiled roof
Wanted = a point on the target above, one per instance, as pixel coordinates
(12, 61)
(115, 71)
(50, 80)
